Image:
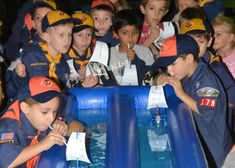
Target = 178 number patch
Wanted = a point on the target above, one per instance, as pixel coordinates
(207, 102)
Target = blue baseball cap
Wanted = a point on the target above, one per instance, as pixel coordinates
(41, 89)
(174, 47)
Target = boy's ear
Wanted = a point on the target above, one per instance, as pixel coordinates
(24, 107)
(190, 58)
(45, 36)
(142, 9)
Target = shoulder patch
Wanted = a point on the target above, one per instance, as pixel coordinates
(207, 92)
(7, 137)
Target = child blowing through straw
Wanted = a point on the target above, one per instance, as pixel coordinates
(24, 128)
(201, 90)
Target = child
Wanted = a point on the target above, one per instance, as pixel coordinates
(181, 6)
(37, 12)
(153, 11)
(127, 28)
(102, 12)
(201, 31)
(224, 42)
(22, 28)
(24, 128)
(82, 48)
(201, 90)
(17, 70)
(46, 59)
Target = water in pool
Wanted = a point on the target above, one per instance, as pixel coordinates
(153, 142)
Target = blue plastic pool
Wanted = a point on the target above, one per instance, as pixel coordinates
(124, 110)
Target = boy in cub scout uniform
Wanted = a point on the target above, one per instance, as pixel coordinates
(46, 58)
(81, 51)
(33, 22)
(199, 88)
(202, 32)
(24, 128)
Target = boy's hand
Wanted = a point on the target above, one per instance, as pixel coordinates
(130, 54)
(51, 139)
(90, 81)
(161, 79)
(21, 70)
(154, 32)
(176, 84)
(60, 127)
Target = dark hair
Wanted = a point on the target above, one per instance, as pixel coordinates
(103, 7)
(38, 5)
(193, 12)
(126, 17)
(195, 56)
(204, 34)
(144, 2)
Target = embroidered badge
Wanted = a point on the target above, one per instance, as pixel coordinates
(208, 102)
(7, 137)
(207, 92)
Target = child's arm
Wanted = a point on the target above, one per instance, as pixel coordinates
(27, 153)
(176, 84)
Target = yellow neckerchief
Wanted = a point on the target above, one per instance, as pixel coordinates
(77, 58)
(213, 57)
(203, 2)
(53, 62)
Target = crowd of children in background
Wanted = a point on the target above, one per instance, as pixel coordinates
(50, 51)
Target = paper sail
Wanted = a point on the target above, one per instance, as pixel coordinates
(99, 57)
(100, 53)
(76, 148)
(130, 76)
(157, 97)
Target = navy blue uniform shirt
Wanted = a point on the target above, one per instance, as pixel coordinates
(205, 88)
(21, 130)
(38, 65)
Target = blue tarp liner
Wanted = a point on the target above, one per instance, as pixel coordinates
(119, 106)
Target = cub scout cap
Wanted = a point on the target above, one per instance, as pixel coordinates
(55, 18)
(100, 3)
(174, 47)
(41, 89)
(196, 26)
(87, 21)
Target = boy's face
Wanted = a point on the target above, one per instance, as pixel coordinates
(180, 68)
(82, 40)
(41, 115)
(222, 37)
(203, 44)
(102, 21)
(128, 34)
(154, 11)
(59, 38)
(37, 18)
